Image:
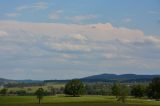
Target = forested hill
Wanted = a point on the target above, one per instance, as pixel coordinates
(5, 81)
(121, 78)
(128, 78)
(125, 78)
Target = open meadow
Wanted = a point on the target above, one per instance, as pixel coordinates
(32, 89)
(61, 100)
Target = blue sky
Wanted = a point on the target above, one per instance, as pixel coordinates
(48, 39)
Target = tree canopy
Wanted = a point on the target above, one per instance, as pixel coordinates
(39, 93)
(138, 91)
(74, 88)
(154, 89)
(3, 91)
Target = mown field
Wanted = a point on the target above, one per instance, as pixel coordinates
(61, 100)
(34, 88)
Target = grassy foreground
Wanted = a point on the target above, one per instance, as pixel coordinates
(73, 101)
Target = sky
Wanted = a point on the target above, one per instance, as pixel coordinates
(64, 39)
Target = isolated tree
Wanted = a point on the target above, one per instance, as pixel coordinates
(39, 93)
(116, 90)
(74, 88)
(138, 91)
(122, 96)
(153, 90)
(3, 91)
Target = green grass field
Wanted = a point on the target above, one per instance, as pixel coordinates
(34, 88)
(61, 100)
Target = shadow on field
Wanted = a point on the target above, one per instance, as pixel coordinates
(78, 104)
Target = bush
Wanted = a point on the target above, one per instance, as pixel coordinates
(3, 91)
(138, 91)
(21, 92)
(98, 89)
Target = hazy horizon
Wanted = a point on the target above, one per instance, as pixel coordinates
(65, 39)
(80, 77)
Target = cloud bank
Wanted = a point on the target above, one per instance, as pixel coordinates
(78, 49)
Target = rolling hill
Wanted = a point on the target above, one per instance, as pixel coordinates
(125, 78)
(121, 78)
(5, 81)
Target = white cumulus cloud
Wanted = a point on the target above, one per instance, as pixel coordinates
(76, 46)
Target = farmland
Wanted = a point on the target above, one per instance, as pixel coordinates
(34, 88)
(61, 100)
(75, 93)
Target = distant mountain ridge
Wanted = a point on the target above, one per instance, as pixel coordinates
(4, 81)
(128, 78)
(122, 78)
